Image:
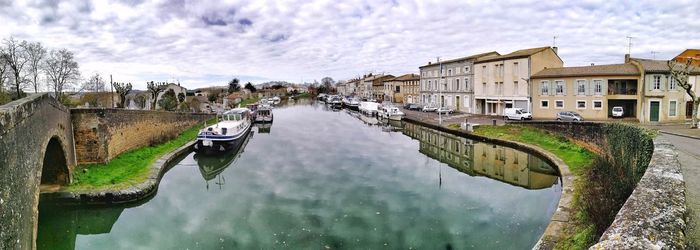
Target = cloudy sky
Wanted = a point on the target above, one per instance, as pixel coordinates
(205, 43)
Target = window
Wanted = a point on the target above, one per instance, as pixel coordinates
(466, 101)
(449, 72)
(398, 89)
(466, 69)
(544, 88)
(560, 87)
(515, 68)
(672, 108)
(671, 83)
(597, 104)
(581, 104)
(466, 84)
(457, 84)
(581, 87)
(656, 84)
(544, 104)
(559, 104)
(515, 87)
(598, 87)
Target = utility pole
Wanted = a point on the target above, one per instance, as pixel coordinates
(653, 54)
(440, 91)
(629, 45)
(111, 89)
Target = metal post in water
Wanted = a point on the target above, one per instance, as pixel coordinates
(494, 122)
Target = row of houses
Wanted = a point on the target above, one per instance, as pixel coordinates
(536, 80)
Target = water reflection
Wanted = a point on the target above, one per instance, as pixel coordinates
(211, 166)
(61, 225)
(500, 163)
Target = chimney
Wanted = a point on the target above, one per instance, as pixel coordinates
(429, 63)
(556, 50)
(627, 58)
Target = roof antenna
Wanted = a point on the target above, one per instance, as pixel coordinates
(629, 45)
(554, 42)
(653, 54)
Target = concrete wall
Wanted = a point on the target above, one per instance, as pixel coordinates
(102, 134)
(26, 127)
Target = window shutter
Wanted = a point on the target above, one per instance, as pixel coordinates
(553, 88)
(589, 88)
(604, 87)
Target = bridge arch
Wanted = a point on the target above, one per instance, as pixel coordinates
(54, 168)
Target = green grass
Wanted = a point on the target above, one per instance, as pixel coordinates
(129, 168)
(303, 95)
(575, 156)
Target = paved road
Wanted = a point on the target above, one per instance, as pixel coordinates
(689, 156)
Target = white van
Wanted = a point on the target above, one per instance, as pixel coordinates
(516, 114)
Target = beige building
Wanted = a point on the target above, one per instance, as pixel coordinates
(503, 81)
(378, 83)
(591, 91)
(401, 88)
(449, 83)
(662, 100)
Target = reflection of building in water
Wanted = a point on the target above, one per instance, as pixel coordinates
(59, 226)
(496, 162)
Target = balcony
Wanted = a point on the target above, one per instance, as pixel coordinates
(622, 87)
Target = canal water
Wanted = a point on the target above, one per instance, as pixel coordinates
(325, 179)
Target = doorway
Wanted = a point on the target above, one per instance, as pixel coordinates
(457, 103)
(654, 111)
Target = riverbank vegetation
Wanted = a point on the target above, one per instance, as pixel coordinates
(130, 168)
(604, 181)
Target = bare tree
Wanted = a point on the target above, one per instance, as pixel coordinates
(94, 84)
(61, 70)
(122, 89)
(16, 57)
(35, 55)
(680, 73)
(155, 88)
(4, 69)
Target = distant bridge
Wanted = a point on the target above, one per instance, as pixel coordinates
(36, 148)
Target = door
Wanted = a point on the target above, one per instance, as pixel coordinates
(457, 103)
(689, 110)
(654, 112)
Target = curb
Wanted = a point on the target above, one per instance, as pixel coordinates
(562, 215)
(135, 193)
(679, 134)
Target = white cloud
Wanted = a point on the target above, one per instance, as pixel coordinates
(207, 42)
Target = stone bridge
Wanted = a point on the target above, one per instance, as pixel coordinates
(36, 149)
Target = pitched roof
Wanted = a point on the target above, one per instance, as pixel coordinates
(475, 57)
(515, 54)
(625, 69)
(408, 77)
(659, 66)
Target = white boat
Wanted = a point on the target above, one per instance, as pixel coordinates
(369, 108)
(263, 115)
(391, 113)
(352, 103)
(334, 101)
(265, 103)
(276, 100)
(232, 127)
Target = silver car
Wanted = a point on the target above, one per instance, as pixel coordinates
(569, 116)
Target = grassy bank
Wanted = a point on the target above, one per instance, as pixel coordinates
(575, 156)
(247, 101)
(129, 168)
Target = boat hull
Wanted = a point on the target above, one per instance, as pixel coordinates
(220, 145)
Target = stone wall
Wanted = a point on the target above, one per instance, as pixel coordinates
(102, 134)
(653, 216)
(26, 128)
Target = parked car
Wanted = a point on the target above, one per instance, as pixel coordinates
(569, 116)
(444, 110)
(428, 108)
(618, 111)
(516, 114)
(413, 107)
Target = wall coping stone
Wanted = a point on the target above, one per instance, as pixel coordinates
(561, 218)
(135, 193)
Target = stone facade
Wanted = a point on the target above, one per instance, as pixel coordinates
(102, 134)
(35, 148)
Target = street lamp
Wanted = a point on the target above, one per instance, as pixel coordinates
(440, 91)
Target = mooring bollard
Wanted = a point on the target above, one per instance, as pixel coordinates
(494, 122)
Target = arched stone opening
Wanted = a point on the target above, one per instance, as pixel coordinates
(54, 169)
